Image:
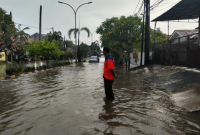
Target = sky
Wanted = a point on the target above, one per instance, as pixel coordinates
(62, 17)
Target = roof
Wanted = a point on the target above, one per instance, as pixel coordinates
(185, 9)
(184, 33)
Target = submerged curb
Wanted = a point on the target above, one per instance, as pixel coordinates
(22, 74)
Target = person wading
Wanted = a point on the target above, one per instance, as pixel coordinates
(109, 74)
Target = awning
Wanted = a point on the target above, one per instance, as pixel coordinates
(185, 9)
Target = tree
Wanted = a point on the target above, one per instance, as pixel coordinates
(84, 49)
(21, 35)
(75, 31)
(95, 47)
(44, 48)
(70, 54)
(159, 37)
(7, 31)
(135, 56)
(57, 35)
(121, 35)
(20, 38)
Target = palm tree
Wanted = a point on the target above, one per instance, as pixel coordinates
(75, 31)
(21, 35)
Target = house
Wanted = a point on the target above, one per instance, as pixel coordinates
(182, 33)
(36, 36)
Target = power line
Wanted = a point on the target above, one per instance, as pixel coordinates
(164, 8)
(136, 6)
(33, 26)
(157, 3)
(26, 25)
(140, 9)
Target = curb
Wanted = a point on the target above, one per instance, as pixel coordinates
(22, 74)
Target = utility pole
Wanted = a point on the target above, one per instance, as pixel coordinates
(11, 15)
(64, 42)
(40, 24)
(147, 32)
(141, 55)
(53, 29)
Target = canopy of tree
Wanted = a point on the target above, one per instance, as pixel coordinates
(120, 35)
(7, 30)
(44, 48)
(124, 34)
(75, 31)
(57, 36)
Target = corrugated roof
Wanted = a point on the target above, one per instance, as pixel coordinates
(186, 32)
(185, 9)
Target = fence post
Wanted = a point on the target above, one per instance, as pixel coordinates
(179, 42)
(188, 42)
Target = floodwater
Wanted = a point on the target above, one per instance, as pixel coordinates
(70, 101)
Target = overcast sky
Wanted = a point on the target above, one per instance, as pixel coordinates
(61, 17)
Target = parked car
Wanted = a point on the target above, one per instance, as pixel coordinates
(94, 59)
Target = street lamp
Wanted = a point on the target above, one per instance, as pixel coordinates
(75, 12)
(92, 36)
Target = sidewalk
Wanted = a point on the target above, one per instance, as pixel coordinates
(182, 84)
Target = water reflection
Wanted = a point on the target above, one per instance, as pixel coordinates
(70, 100)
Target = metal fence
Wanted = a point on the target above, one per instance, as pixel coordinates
(182, 51)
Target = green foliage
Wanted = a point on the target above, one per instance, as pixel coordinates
(75, 31)
(44, 48)
(7, 30)
(57, 36)
(29, 69)
(70, 54)
(136, 55)
(60, 64)
(84, 49)
(69, 44)
(21, 36)
(95, 48)
(12, 70)
(120, 35)
(159, 37)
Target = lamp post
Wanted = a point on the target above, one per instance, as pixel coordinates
(92, 36)
(75, 12)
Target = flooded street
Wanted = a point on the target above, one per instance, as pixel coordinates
(70, 101)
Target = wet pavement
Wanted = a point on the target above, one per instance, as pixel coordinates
(70, 101)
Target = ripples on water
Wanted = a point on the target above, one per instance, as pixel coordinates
(70, 100)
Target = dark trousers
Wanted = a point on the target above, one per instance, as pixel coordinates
(108, 88)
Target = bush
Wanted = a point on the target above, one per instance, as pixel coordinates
(84, 60)
(60, 64)
(29, 69)
(44, 67)
(13, 70)
(39, 68)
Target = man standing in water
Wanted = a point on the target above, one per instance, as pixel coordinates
(109, 74)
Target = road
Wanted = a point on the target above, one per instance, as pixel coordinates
(70, 101)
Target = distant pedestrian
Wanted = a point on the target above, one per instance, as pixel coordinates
(109, 74)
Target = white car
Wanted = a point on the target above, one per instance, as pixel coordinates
(94, 59)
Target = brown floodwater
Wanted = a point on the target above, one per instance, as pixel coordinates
(70, 101)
